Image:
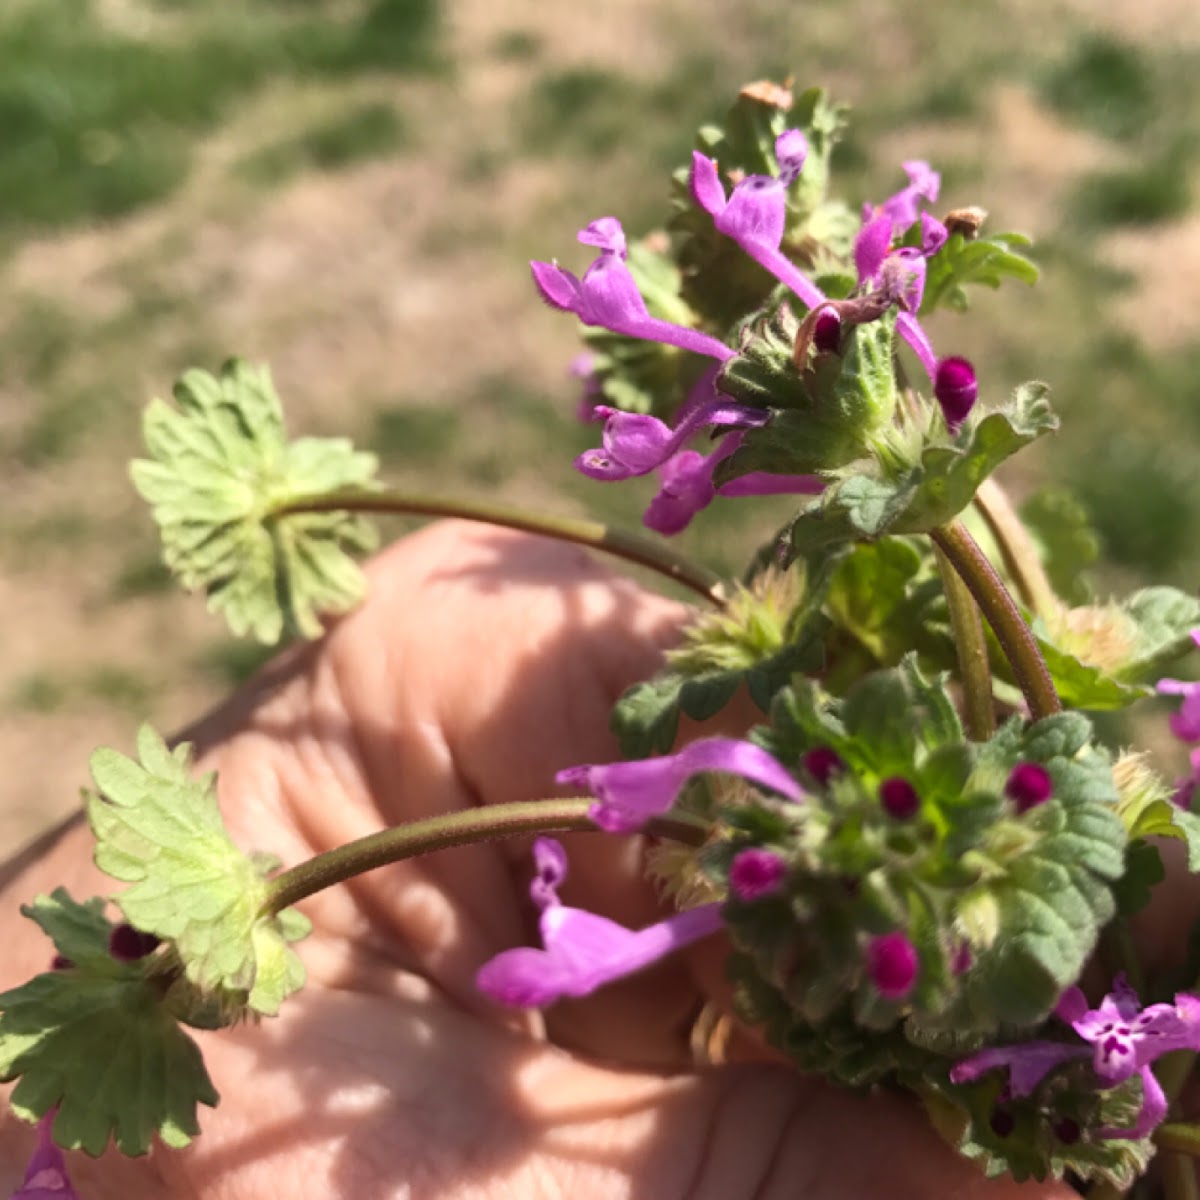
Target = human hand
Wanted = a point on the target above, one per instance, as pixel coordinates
(481, 663)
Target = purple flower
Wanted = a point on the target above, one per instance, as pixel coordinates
(1185, 724)
(686, 486)
(755, 873)
(956, 389)
(46, 1175)
(582, 951)
(630, 793)
(636, 443)
(924, 183)
(1124, 1037)
(1028, 785)
(607, 295)
(755, 215)
(892, 964)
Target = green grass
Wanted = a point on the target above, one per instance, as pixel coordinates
(1105, 84)
(1143, 195)
(98, 123)
(367, 131)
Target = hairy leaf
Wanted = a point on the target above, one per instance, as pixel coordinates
(219, 471)
(97, 1042)
(940, 485)
(160, 831)
(986, 260)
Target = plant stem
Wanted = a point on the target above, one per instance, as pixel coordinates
(1178, 1137)
(1021, 558)
(967, 627)
(632, 547)
(453, 829)
(1179, 1177)
(1015, 637)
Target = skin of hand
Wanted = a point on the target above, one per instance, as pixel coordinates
(482, 662)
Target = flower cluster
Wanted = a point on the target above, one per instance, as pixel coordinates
(890, 275)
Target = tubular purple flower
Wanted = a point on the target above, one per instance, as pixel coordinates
(583, 368)
(755, 214)
(630, 793)
(46, 1175)
(892, 965)
(1185, 724)
(755, 873)
(1126, 1040)
(933, 235)
(687, 486)
(924, 183)
(608, 296)
(956, 388)
(636, 443)
(582, 951)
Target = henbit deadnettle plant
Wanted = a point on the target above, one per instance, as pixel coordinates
(916, 853)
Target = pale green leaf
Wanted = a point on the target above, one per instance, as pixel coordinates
(219, 471)
(160, 831)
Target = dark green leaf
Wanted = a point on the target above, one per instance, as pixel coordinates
(985, 260)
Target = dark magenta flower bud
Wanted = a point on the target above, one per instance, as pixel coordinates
(827, 331)
(956, 390)
(961, 959)
(899, 798)
(1002, 1122)
(60, 962)
(1028, 785)
(822, 763)
(755, 873)
(127, 944)
(1067, 1131)
(892, 965)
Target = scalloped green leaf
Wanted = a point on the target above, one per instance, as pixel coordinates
(96, 1042)
(160, 831)
(987, 260)
(219, 471)
(936, 489)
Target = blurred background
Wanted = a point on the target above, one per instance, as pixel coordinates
(351, 190)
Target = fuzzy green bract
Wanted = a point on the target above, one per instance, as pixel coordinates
(219, 471)
(160, 831)
(99, 1042)
(877, 500)
(1106, 656)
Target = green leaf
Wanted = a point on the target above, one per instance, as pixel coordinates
(870, 504)
(97, 1042)
(161, 831)
(1066, 540)
(219, 470)
(1104, 656)
(986, 260)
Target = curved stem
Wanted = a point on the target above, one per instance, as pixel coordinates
(1021, 558)
(453, 829)
(967, 627)
(1179, 1176)
(1015, 637)
(1178, 1137)
(630, 546)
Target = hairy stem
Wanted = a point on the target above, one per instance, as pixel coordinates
(1178, 1137)
(1015, 637)
(1021, 558)
(453, 829)
(967, 627)
(632, 547)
